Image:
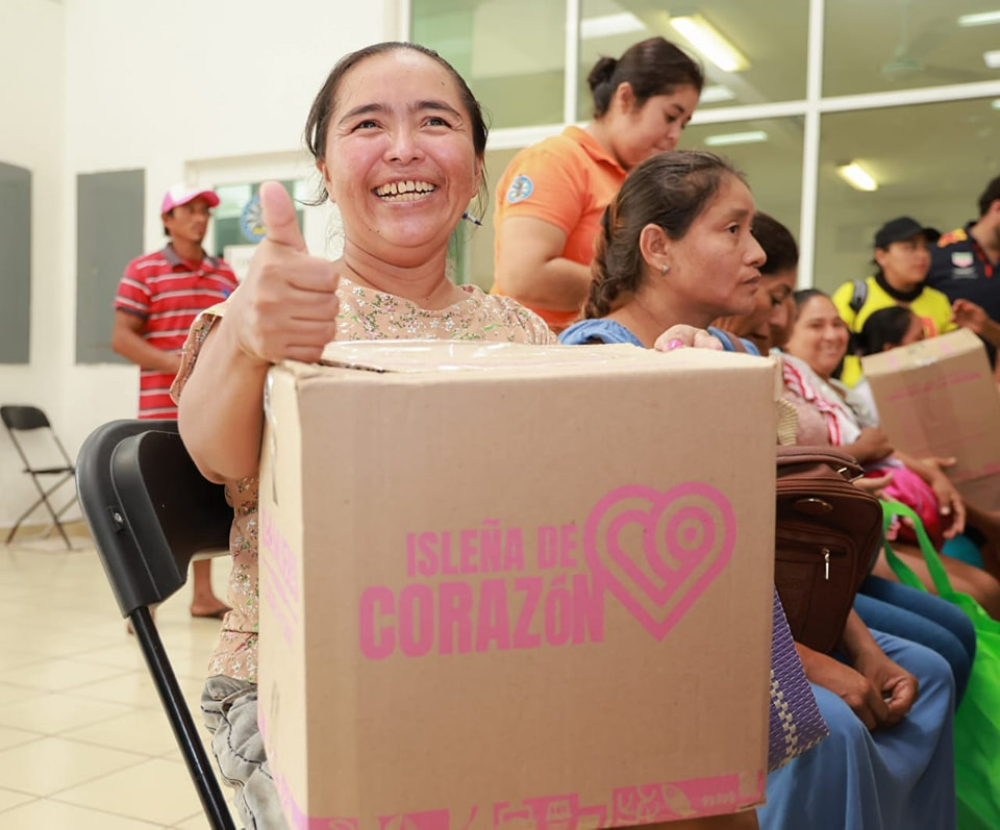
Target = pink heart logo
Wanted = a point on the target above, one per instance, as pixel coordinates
(658, 552)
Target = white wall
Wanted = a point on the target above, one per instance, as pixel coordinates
(179, 90)
(33, 103)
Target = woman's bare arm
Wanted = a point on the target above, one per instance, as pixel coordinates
(531, 269)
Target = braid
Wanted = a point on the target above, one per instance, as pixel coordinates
(612, 277)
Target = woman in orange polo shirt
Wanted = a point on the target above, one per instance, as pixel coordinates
(552, 194)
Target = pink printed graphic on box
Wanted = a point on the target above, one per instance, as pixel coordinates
(913, 390)
(281, 592)
(671, 800)
(630, 806)
(656, 552)
(556, 812)
(427, 820)
(686, 536)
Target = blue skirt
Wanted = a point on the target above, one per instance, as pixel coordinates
(891, 779)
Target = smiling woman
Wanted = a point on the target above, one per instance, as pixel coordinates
(398, 139)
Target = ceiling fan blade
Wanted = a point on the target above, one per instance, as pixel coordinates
(934, 34)
(955, 75)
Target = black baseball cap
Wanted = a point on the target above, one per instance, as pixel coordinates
(898, 230)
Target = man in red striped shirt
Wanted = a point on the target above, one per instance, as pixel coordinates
(158, 299)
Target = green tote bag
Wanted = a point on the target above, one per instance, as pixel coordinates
(977, 722)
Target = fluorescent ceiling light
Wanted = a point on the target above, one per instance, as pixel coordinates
(609, 25)
(981, 19)
(706, 39)
(992, 59)
(857, 177)
(725, 139)
(715, 94)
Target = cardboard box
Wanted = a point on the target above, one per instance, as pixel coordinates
(516, 587)
(938, 397)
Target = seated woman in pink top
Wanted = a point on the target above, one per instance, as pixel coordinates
(829, 413)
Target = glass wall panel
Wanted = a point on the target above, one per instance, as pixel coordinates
(237, 219)
(773, 169)
(770, 156)
(775, 67)
(511, 53)
(930, 162)
(883, 45)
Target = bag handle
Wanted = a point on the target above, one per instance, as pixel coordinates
(939, 576)
(794, 454)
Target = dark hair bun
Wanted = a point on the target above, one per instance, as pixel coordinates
(602, 72)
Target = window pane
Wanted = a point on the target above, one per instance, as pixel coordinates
(775, 71)
(237, 217)
(771, 159)
(883, 45)
(931, 162)
(511, 53)
(237, 224)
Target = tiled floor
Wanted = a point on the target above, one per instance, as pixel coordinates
(84, 743)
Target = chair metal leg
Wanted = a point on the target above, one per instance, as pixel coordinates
(23, 516)
(43, 498)
(198, 763)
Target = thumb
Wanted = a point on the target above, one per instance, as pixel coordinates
(944, 462)
(278, 214)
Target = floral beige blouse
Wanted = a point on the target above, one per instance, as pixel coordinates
(365, 314)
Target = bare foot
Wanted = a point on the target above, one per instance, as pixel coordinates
(213, 607)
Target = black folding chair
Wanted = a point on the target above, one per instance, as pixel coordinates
(150, 511)
(19, 419)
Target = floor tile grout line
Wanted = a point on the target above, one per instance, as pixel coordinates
(98, 651)
(54, 795)
(106, 812)
(32, 798)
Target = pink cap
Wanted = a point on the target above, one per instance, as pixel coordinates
(181, 194)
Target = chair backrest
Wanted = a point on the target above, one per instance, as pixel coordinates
(148, 507)
(23, 417)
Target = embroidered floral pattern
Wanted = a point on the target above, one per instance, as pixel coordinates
(365, 314)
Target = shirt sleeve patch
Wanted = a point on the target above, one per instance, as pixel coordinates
(952, 237)
(520, 189)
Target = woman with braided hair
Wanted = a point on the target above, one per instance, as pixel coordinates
(676, 252)
(675, 249)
